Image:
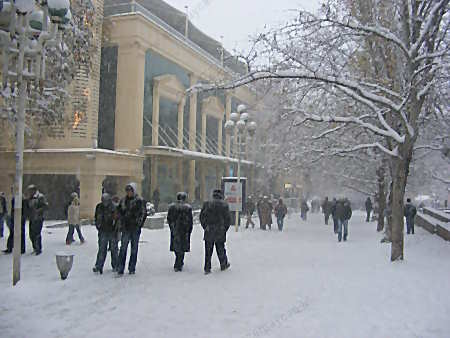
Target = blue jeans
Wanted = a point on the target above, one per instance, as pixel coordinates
(127, 237)
(280, 222)
(342, 224)
(105, 238)
(72, 228)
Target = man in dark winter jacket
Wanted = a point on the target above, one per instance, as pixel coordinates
(343, 214)
(37, 204)
(132, 213)
(180, 220)
(304, 209)
(410, 214)
(10, 241)
(369, 208)
(326, 209)
(333, 214)
(3, 211)
(250, 209)
(215, 220)
(105, 222)
(280, 214)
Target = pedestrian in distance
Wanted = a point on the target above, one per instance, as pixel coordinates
(280, 213)
(369, 208)
(326, 209)
(410, 212)
(10, 240)
(304, 210)
(343, 214)
(258, 209)
(265, 209)
(215, 220)
(37, 205)
(3, 211)
(73, 219)
(180, 220)
(132, 212)
(333, 215)
(106, 224)
(249, 210)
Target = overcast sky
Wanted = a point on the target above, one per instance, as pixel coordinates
(237, 19)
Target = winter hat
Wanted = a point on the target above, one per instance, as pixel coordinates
(181, 196)
(133, 186)
(217, 194)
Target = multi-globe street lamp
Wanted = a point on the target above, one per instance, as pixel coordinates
(240, 125)
(28, 28)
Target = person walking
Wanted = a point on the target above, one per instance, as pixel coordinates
(258, 209)
(343, 214)
(106, 224)
(326, 209)
(304, 209)
(250, 209)
(73, 219)
(215, 219)
(132, 211)
(265, 209)
(280, 213)
(37, 205)
(333, 215)
(410, 214)
(369, 208)
(180, 220)
(3, 211)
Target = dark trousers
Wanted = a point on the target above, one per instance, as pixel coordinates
(221, 253)
(10, 241)
(179, 260)
(335, 224)
(280, 222)
(410, 225)
(368, 215)
(105, 238)
(69, 237)
(327, 217)
(249, 221)
(35, 235)
(133, 238)
(2, 221)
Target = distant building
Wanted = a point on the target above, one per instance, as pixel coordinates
(139, 124)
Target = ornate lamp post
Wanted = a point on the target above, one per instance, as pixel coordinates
(241, 126)
(27, 29)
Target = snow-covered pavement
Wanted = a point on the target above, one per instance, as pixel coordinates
(298, 283)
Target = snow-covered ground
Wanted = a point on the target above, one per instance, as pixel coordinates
(298, 283)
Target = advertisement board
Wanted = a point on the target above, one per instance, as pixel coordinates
(233, 195)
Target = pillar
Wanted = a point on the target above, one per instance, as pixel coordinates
(203, 132)
(129, 96)
(90, 194)
(180, 179)
(154, 177)
(193, 117)
(220, 136)
(181, 122)
(191, 181)
(155, 116)
(227, 117)
(203, 196)
(6, 183)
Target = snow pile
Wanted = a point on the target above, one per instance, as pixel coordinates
(299, 283)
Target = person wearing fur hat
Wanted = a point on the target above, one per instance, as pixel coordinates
(73, 218)
(37, 205)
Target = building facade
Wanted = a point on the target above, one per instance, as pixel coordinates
(140, 124)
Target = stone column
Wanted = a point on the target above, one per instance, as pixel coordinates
(180, 179)
(220, 136)
(129, 96)
(155, 117)
(227, 117)
(203, 196)
(203, 131)
(154, 177)
(193, 116)
(90, 194)
(181, 122)
(191, 181)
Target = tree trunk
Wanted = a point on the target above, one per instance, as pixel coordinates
(381, 198)
(398, 195)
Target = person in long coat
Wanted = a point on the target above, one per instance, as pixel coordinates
(37, 205)
(265, 209)
(73, 219)
(180, 220)
(280, 213)
(326, 209)
(215, 219)
(304, 210)
(369, 208)
(410, 212)
(250, 209)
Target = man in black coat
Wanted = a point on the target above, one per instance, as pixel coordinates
(10, 241)
(250, 209)
(343, 214)
(369, 208)
(410, 214)
(37, 205)
(132, 212)
(333, 214)
(105, 222)
(180, 220)
(215, 219)
(3, 211)
(326, 209)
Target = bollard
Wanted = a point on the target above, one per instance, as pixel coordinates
(64, 263)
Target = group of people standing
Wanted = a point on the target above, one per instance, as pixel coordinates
(34, 205)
